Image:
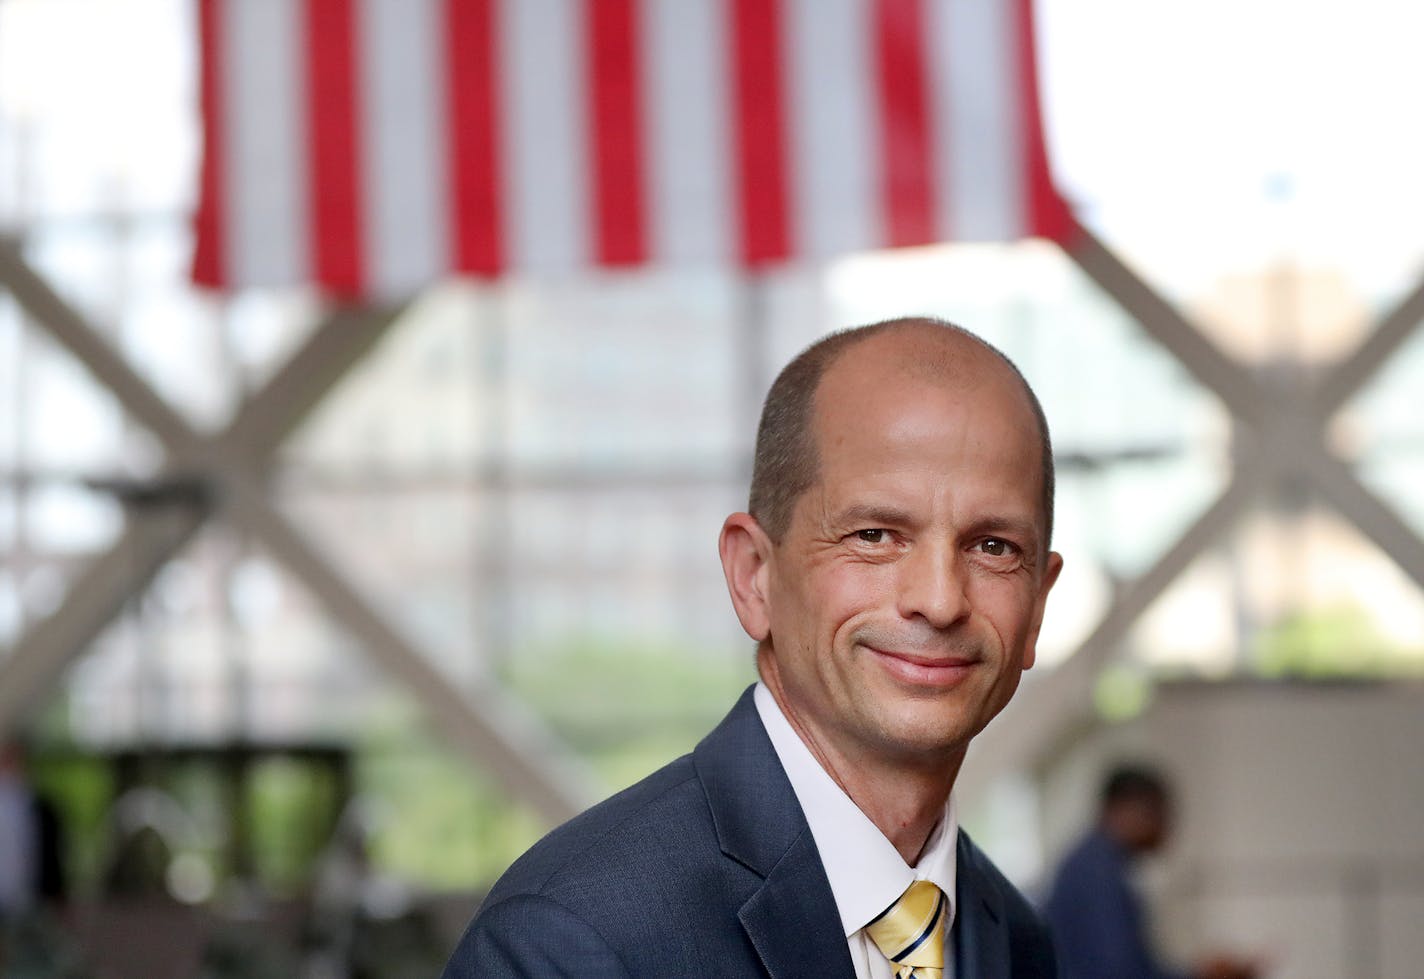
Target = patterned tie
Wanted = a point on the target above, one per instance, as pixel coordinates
(911, 932)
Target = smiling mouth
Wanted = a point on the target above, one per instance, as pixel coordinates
(921, 670)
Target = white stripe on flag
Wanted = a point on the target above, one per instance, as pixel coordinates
(405, 193)
(688, 130)
(546, 150)
(830, 91)
(977, 120)
(265, 200)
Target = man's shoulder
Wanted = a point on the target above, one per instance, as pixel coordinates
(601, 893)
(661, 821)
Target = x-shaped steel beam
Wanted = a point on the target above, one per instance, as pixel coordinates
(1280, 435)
(507, 742)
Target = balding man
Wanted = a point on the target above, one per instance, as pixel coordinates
(892, 569)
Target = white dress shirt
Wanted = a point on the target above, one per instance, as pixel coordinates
(866, 872)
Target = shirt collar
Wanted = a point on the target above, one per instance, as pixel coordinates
(865, 870)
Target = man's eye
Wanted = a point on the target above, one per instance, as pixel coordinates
(995, 547)
(873, 535)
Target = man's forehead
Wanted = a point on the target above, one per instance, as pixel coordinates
(867, 372)
(885, 395)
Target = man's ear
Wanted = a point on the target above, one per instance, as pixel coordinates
(1050, 575)
(746, 558)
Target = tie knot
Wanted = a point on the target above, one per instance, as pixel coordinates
(910, 932)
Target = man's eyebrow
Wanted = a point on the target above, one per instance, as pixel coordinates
(1011, 526)
(877, 514)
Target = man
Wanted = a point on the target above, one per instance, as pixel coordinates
(892, 569)
(1098, 922)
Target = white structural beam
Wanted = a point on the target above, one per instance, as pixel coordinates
(1220, 374)
(505, 741)
(98, 595)
(1351, 373)
(510, 743)
(1279, 427)
(1047, 704)
(342, 340)
(1280, 434)
(66, 325)
(1376, 520)
(94, 599)
(1051, 704)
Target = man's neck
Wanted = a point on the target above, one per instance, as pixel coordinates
(905, 799)
(905, 805)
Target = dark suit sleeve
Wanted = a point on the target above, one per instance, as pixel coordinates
(531, 936)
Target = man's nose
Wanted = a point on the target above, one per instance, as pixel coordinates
(932, 585)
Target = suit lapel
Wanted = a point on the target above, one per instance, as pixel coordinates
(792, 918)
(774, 870)
(981, 936)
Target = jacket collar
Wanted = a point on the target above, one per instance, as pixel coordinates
(788, 912)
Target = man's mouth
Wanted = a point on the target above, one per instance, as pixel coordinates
(926, 669)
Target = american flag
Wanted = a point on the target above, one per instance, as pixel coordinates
(372, 147)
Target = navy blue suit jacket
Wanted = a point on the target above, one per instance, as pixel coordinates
(707, 868)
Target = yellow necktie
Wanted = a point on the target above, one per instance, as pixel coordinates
(911, 932)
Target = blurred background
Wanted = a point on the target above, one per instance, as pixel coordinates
(323, 594)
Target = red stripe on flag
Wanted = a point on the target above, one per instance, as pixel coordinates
(334, 158)
(1048, 214)
(476, 179)
(210, 255)
(620, 225)
(759, 112)
(906, 156)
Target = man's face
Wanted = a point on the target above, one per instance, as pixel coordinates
(905, 597)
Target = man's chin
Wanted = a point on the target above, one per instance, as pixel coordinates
(931, 738)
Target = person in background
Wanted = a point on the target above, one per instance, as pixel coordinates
(19, 835)
(19, 838)
(1099, 923)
